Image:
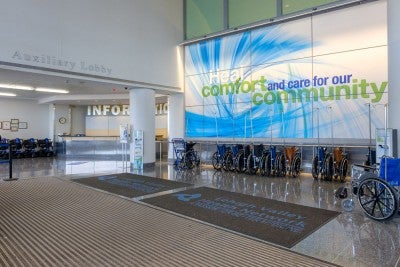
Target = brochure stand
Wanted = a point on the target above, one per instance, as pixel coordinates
(138, 150)
(124, 139)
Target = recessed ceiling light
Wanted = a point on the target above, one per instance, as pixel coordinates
(16, 87)
(7, 94)
(51, 90)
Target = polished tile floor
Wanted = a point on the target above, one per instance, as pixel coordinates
(351, 239)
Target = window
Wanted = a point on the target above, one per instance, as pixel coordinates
(290, 6)
(204, 17)
(245, 12)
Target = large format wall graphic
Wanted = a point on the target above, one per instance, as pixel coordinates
(323, 76)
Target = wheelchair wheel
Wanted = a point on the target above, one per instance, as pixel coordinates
(314, 168)
(191, 159)
(262, 165)
(377, 199)
(296, 166)
(343, 169)
(229, 164)
(216, 161)
(267, 165)
(328, 173)
(281, 165)
(251, 167)
(240, 164)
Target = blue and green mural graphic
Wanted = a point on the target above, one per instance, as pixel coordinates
(278, 81)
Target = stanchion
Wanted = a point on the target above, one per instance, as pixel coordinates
(9, 161)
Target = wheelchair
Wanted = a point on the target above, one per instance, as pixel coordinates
(293, 161)
(4, 149)
(377, 189)
(218, 157)
(322, 164)
(254, 158)
(16, 148)
(274, 162)
(45, 147)
(29, 146)
(231, 157)
(340, 164)
(185, 155)
(241, 161)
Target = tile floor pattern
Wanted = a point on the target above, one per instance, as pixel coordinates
(351, 239)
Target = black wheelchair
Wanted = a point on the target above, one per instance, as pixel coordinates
(376, 188)
(29, 146)
(322, 164)
(274, 162)
(45, 147)
(185, 155)
(16, 147)
(254, 158)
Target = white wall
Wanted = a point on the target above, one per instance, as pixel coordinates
(62, 111)
(78, 114)
(36, 116)
(134, 40)
(394, 65)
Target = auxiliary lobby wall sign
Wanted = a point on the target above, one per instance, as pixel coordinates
(52, 61)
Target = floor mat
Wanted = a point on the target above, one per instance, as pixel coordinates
(130, 185)
(274, 221)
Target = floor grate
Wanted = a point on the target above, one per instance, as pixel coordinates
(53, 222)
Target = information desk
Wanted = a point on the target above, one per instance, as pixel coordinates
(108, 147)
(96, 146)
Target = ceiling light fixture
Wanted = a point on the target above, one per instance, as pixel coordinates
(51, 90)
(7, 94)
(16, 87)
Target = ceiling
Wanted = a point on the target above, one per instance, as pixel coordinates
(81, 91)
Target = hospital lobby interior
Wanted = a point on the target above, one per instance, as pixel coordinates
(199, 133)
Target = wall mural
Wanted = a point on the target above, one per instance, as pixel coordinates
(315, 77)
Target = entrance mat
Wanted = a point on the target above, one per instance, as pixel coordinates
(130, 185)
(274, 221)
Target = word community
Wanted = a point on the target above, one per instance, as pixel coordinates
(303, 90)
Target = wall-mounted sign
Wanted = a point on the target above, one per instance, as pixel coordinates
(124, 133)
(48, 60)
(108, 110)
(298, 79)
(162, 109)
(121, 110)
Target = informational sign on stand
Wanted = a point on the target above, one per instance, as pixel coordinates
(124, 133)
(386, 145)
(124, 130)
(138, 149)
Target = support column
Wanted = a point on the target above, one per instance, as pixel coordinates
(142, 117)
(52, 133)
(176, 120)
(393, 24)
